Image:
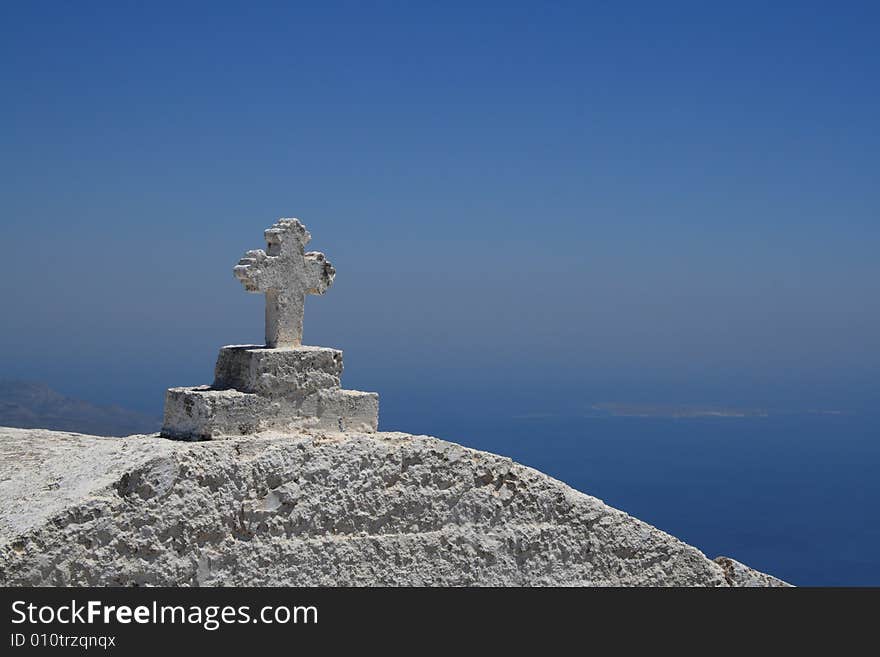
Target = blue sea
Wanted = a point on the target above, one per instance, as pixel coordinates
(797, 496)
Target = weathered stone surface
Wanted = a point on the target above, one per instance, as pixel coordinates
(286, 274)
(740, 575)
(277, 373)
(205, 413)
(208, 413)
(348, 410)
(299, 509)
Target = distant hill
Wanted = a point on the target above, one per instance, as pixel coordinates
(30, 405)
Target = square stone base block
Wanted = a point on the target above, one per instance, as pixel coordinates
(278, 373)
(207, 413)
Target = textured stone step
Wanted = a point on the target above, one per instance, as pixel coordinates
(208, 413)
(293, 372)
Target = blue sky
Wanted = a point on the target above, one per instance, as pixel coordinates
(530, 205)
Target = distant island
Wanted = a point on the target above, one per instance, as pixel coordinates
(658, 411)
(30, 405)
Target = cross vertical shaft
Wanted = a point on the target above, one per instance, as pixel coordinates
(284, 320)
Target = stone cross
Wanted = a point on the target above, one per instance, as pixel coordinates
(286, 274)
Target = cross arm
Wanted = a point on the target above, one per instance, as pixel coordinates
(253, 271)
(319, 273)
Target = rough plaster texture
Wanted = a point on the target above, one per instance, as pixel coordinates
(289, 373)
(206, 413)
(285, 274)
(299, 509)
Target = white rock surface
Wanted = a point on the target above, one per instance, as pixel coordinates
(343, 509)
